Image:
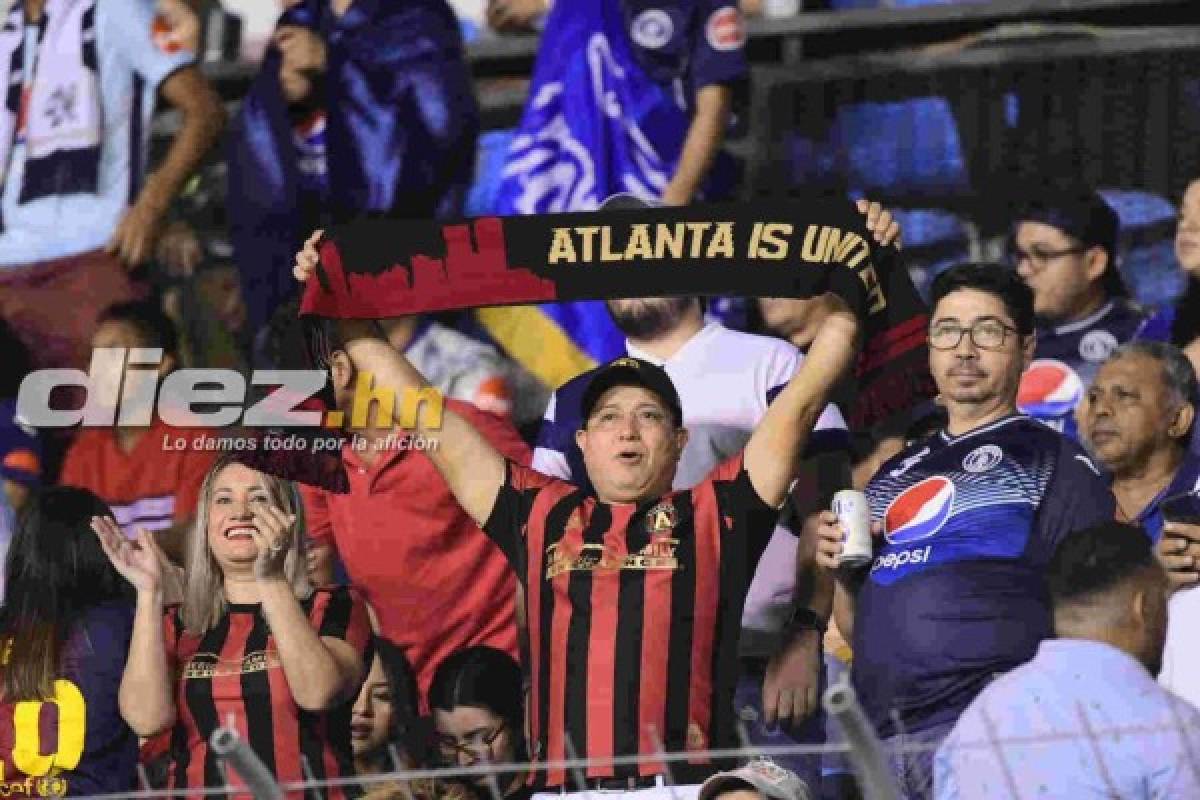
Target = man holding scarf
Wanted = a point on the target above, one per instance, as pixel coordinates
(78, 209)
(362, 107)
(634, 591)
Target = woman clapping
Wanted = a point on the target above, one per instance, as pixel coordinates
(253, 645)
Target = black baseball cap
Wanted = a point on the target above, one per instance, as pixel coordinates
(629, 371)
(1082, 214)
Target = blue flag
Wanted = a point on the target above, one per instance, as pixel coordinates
(596, 123)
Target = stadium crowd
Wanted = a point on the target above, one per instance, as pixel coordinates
(616, 541)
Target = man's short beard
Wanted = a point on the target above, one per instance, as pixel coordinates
(649, 320)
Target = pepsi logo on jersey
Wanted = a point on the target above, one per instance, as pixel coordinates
(919, 511)
(1049, 388)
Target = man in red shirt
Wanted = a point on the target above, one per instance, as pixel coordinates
(142, 473)
(436, 584)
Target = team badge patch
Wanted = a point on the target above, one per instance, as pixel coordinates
(652, 29)
(981, 459)
(661, 518)
(1097, 346)
(725, 29)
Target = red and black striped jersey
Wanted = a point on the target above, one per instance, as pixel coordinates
(232, 676)
(634, 614)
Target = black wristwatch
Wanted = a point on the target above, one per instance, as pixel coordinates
(805, 619)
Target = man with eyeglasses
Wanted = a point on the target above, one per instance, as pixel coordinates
(966, 521)
(1065, 248)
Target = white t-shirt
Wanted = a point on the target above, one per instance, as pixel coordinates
(65, 225)
(1181, 655)
(725, 380)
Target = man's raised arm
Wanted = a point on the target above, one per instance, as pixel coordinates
(776, 449)
(472, 468)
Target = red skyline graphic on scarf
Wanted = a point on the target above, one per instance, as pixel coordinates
(474, 272)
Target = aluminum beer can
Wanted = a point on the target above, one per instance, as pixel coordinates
(854, 513)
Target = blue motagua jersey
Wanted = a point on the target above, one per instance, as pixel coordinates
(1067, 357)
(955, 593)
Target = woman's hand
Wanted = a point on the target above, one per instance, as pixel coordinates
(139, 563)
(273, 535)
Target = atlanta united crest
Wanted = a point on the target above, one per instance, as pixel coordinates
(661, 518)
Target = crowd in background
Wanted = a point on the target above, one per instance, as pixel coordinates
(396, 625)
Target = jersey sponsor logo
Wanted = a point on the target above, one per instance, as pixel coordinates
(658, 555)
(1096, 346)
(652, 29)
(919, 511)
(1049, 388)
(919, 555)
(725, 29)
(206, 666)
(981, 459)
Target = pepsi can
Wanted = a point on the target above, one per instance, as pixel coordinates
(854, 514)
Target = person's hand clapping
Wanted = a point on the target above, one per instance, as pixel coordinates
(272, 534)
(140, 563)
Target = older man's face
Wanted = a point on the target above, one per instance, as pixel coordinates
(1127, 412)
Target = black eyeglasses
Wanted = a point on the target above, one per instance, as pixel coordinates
(477, 743)
(986, 334)
(1040, 258)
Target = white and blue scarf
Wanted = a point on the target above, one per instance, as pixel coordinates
(64, 120)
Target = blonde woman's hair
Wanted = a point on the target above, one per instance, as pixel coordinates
(203, 592)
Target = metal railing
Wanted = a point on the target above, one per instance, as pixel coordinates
(866, 754)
